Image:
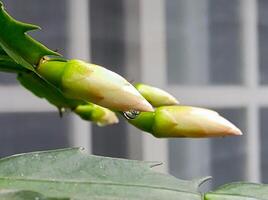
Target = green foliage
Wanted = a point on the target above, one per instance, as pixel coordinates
(43, 89)
(239, 191)
(14, 39)
(34, 56)
(8, 65)
(70, 173)
(24, 195)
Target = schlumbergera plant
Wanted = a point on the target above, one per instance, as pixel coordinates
(98, 95)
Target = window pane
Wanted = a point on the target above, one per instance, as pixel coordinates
(228, 155)
(7, 79)
(107, 49)
(110, 141)
(264, 144)
(187, 41)
(225, 64)
(50, 15)
(263, 40)
(24, 132)
(222, 158)
(189, 158)
(203, 42)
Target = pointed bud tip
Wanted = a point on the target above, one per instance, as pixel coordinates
(147, 107)
(199, 122)
(140, 104)
(232, 129)
(236, 131)
(176, 101)
(108, 120)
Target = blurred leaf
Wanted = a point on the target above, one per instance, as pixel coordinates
(8, 65)
(70, 173)
(2, 52)
(23, 195)
(239, 191)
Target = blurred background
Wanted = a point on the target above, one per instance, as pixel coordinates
(209, 53)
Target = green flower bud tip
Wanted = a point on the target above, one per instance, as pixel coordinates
(93, 83)
(155, 96)
(97, 114)
(184, 121)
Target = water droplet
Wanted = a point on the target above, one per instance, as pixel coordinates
(132, 114)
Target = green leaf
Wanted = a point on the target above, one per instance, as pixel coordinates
(70, 173)
(2, 52)
(37, 85)
(24, 195)
(43, 89)
(8, 65)
(239, 191)
(18, 44)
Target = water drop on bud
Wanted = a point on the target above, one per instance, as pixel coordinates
(132, 114)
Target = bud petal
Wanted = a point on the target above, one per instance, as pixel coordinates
(97, 114)
(93, 83)
(155, 96)
(184, 121)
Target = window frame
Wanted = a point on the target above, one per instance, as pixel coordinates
(250, 96)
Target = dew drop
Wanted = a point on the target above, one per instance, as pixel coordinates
(132, 114)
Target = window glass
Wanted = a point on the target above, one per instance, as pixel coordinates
(189, 158)
(110, 141)
(225, 63)
(263, 40)
(107, 49)
(203, 42)
(228, 155)
(25, 132)
(264, 143)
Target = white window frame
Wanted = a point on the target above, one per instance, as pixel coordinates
(251, 96)
(16, 99)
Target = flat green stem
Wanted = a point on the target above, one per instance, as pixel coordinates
(18, 44)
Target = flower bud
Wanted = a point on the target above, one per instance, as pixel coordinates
(155, 96)
(184, 121)
(93, 83)
(97, 114)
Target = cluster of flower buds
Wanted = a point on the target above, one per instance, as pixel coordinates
(173, 120)
(96, 93)
(148, 108)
